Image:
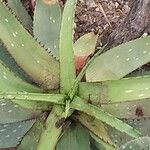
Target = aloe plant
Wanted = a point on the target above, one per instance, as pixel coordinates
(43, 99)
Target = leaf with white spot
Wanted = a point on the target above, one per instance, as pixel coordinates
(31, 139)
(12, 133)
(10, 112)
(142, 143)
(129, 110)
(67, 76)
(129, 89)
(46, 25)
(21, 13)
(24, 49)
(120, 61)
(11, 83)
(141, 124)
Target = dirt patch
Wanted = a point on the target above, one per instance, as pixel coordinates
(101, 15)
(95, 15)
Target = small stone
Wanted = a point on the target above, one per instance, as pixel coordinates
(97, 9)
(116, 4)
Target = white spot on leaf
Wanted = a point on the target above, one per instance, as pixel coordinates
(130, 50)
(4, 77)
(2, 130)
(7, 136)
(9, 111)
(12, 44)
(14, 131)
(128, 91)
(147, 43)
(14, 34)
(6, 20)
(140, 95)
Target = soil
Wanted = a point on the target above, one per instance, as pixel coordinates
(95, 15)
(100, 16)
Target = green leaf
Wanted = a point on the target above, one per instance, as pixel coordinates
(75, 86)
(11, 134)
(66, 53)
(100, 114)
(25, 49)
(21, 13)
(100, 144)
(129, 110)
(67, 77)
(11, 112)
(38, 97)
(142, 143)
(30, 140)
(11, 83)
(96, 127)
(6, 58)
(141, 124)
(46, 25)
(76, 138)
(52, 129)
(120, 61)
(129, 89)
(83, 48)
(85, 45)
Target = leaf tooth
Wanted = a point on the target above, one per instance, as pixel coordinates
(46, 49)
